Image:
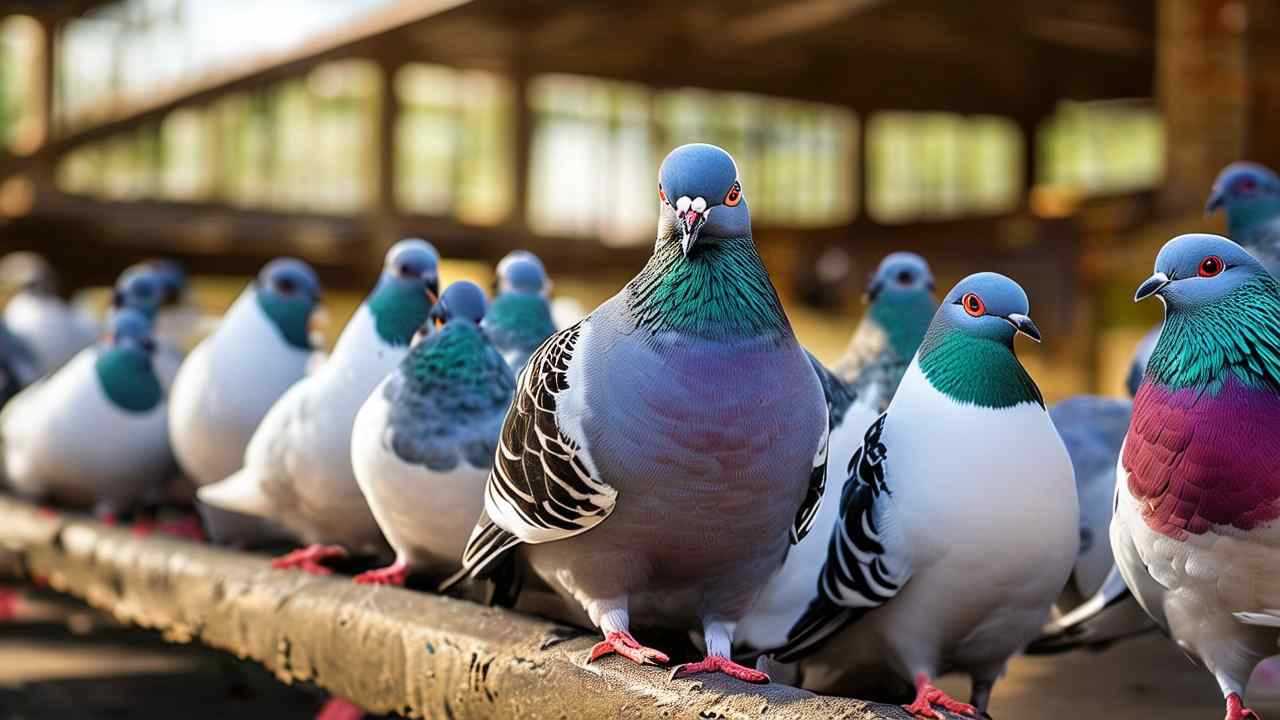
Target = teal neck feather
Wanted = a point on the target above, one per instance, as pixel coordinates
(289, 316)
(975, 370)
(399, 309)
(1245, 219)
(1239, 335)
(522, 318)
(905, 318)
(460, 364)
(128, 379)
(721, 292)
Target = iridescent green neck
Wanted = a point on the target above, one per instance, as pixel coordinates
(128, 379)
(399, 309)
(905, 318)
(289, 315)
(721, 291)
(1244, 219)
(1201, 346)
(524, 316)
(975, 370)
(459, 362)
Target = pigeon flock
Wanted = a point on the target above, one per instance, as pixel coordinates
(677, 460)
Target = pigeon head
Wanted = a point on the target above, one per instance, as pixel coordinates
(701, 196)
(28, 271)
(288, 291)
(901, 273)
(1243, 188)
(130, 330)
(139, 287)
(173, 279)
(523, 275)
(463, 302)
(991, 306)
(413, 263)
(124, 368)
(502, 280)
(1199, 268)
(406, 290)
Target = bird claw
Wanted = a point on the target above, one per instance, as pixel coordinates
(393, 574)
(340, 709)
(927, 696)
(308, 559)
(718, 664)
(623, 644)
(10, 602)
(1237, 711)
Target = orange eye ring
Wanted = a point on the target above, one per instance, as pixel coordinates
(1211, 266)
(661, 195)
(734, 196)
(973, 305)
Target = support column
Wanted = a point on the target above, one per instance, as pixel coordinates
(1262, 63)
(522, 143)
(1201, 85)
(384, 226)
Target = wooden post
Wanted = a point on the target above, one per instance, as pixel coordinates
(1262, 65)
(522, 145)
(384, 227)
(1200, 80)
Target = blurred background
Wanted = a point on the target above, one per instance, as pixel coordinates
(1059, 143)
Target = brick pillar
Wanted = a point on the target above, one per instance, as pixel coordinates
(1200, 83)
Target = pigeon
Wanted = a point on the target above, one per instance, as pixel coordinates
(93, 435)
(425, 439)
(143, 288)
(504, 281)
(661, 455)
(519, 319)
(1249, 193)
(958, 524)
(902, 305)
(1198, 481)
(232, 378)
(18, 365)
(179, 322)
(297, 468)
(53, 329)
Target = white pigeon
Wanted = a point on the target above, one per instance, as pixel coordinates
(297, 468)
(232, 378)
(93, 434)
(958, 525)
(51, 327)
(424, 441)
(1198, 481)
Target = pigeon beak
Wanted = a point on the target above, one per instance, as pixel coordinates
(1151, 286)
(1023, 324)
(433, 288)
(318, 326)
(117, 299)
(873, 291)
(690, 222)
(1217, 199)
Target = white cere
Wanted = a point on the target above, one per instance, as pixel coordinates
(683, 203)
(699, 204)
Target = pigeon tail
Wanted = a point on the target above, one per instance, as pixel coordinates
(1111, 614)
(241, 493)
(820, 622)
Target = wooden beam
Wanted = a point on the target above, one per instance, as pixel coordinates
(793, 18)
(386, 649)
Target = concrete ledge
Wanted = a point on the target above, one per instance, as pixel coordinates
(387, 649)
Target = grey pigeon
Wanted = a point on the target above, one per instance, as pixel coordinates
(901, 307)
(661, 455)
(520, 317)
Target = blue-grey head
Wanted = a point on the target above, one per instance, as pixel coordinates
(901, 274)
(414, 261)
(130, 329)
(139, 287)
(288, 291)
(173, 279)
(502, 281)
(991, 306)
(523, 275)
(463, 301)
(1243, 188)
(701, 195)
(1192, 270)
(406, 290)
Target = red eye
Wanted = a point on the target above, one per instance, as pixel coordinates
(973, 305)
(661, 195)
(1211, 266)
(734, 196)
(1247, 185)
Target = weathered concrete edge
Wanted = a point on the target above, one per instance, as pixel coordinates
(386, 649)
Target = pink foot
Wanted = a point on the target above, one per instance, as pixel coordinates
(10, 602)
(393, 574)
(188, 528)
(717, 664)
(46, 512)
(308, 559)
(623, 644)
(1237, 711)
(145, 527)
(927, 696)
(339, 709)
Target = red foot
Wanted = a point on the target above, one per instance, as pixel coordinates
(308, 559)
(340, 709)
(1237, 711)
(623, 644)
(393, 574)
(717, 664)
(188, 528)
(144, 527)
(927, 696)
(46, 513)
(10, 601)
